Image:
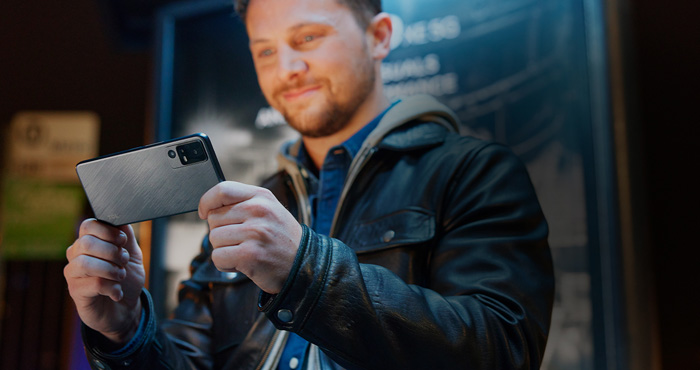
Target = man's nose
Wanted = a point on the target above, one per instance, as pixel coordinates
(290, 62)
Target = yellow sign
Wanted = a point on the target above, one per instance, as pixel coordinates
(42, 197)
(47, 145)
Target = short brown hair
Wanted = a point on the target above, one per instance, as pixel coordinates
(363, 10)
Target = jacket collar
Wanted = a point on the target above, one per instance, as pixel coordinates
(399, 123)
(415, 122)
(400, 128)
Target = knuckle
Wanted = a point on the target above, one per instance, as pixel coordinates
(215, 237)
(265, 193)
(249, 252)
(217, 191)
(85, 265)
(222, 188)
(256, 208)
(83, 230)
(260, 230)
(216, 256)
(81, 263)
(250, 231)
(86, 226)
(88, 245)
(84, 243)
(261, 233)
(220, 259)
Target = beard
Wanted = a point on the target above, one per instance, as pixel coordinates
(336, 111)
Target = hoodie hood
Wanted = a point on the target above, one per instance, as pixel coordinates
(418, 108)
(422, 108)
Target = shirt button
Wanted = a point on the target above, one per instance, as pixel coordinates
(388, 236)
(285, 315)
(293, 363)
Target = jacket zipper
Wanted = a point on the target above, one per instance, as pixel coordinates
(279, 340)
(274, 349)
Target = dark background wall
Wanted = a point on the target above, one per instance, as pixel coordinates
(65, 56)
(60, 56)
(665, 62)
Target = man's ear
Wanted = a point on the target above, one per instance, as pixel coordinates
(379, 33)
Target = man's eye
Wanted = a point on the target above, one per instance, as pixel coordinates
(266, 53)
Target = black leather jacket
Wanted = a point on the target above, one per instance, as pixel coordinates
(439, 260)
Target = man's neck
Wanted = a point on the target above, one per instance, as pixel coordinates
(318, 147)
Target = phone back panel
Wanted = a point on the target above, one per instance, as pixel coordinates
(146, 183)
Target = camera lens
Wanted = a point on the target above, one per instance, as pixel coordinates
(171, 154)
(191, 153)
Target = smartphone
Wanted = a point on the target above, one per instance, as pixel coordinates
(152, 181)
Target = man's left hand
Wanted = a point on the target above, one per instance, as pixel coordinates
(251, 233)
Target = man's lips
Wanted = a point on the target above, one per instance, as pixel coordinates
(301, 92)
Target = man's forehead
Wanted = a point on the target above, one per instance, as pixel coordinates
(266, 16)
(296, 2)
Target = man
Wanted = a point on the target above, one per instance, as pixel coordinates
(387, 242)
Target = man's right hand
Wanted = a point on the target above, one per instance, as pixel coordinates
(105, 277)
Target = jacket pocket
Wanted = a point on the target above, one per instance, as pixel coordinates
(408, 226)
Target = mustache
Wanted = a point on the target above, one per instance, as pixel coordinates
(299, 84)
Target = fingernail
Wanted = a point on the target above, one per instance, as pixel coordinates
(121, 274)
(122, 238)
(125, 256)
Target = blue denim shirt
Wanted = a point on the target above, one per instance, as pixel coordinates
(331, 178)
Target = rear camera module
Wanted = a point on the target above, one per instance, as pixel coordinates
(191, 152)
(171, 154)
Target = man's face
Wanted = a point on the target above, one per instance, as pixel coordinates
(312, 60)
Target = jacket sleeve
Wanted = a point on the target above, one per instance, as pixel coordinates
(488, 297)
(181, 342)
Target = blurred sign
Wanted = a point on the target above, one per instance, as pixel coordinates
(47, 145)
(42, 197)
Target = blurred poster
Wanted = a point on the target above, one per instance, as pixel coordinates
(516, 72)
(42, 199)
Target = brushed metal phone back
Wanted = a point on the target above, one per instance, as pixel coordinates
(148, 182)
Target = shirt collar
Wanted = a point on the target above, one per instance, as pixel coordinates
(351, 145)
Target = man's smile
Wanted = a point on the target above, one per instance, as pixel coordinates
(292, 95)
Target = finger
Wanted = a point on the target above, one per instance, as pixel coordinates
(226, 215)
(131, 245)
(226, 193)
(84, 266)
(256, 207)
(92, 246)
(253, 231)
(226, 236)
(226, 259)
(93, 286)
(103, 231)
